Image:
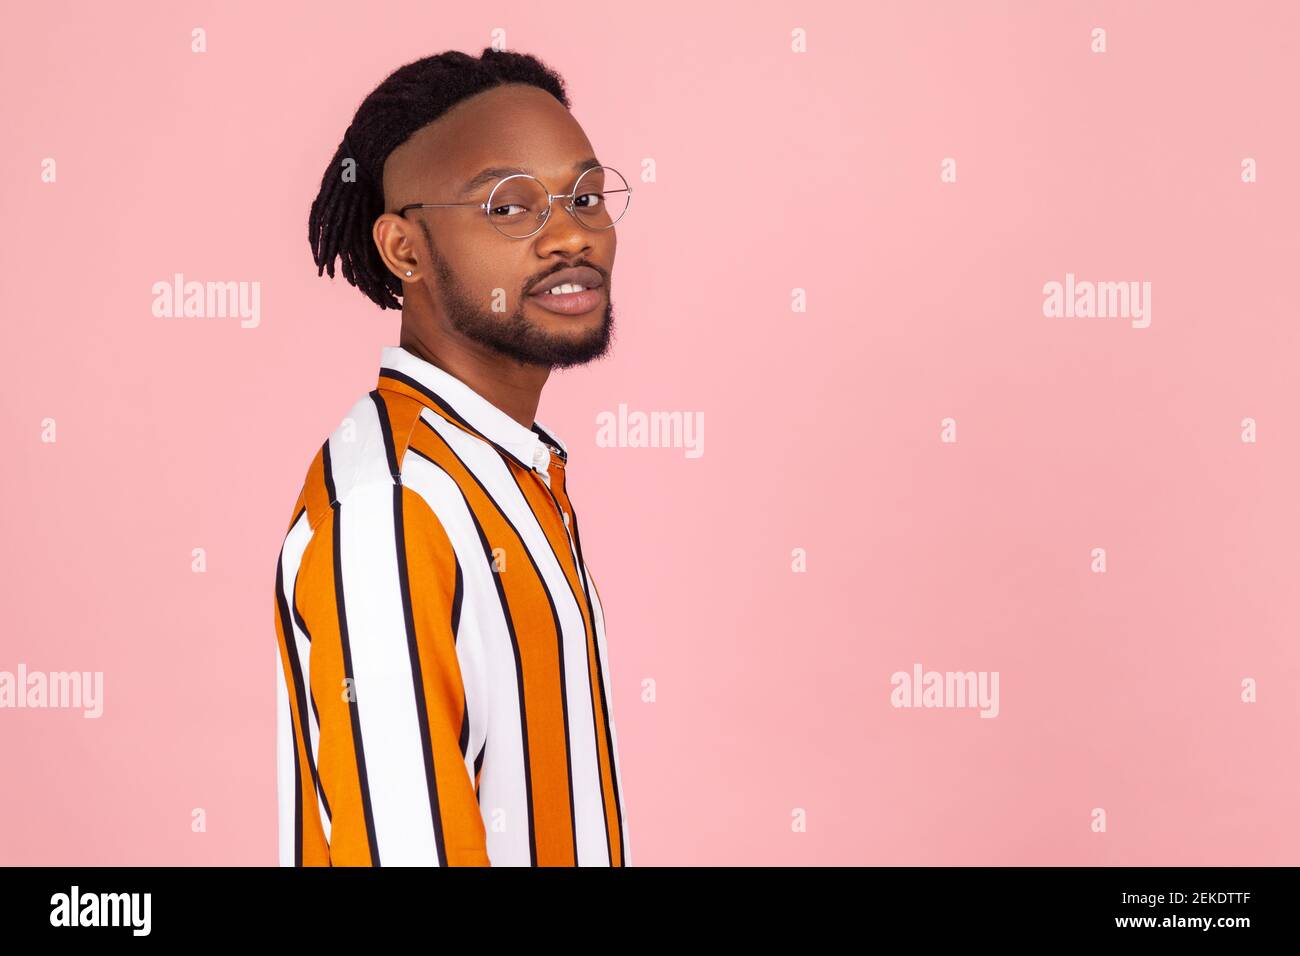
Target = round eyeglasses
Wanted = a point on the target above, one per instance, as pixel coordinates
(519, 205)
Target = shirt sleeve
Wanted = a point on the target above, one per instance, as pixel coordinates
(379, 591)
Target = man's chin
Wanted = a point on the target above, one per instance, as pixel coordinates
(567, 353)
(539, 337)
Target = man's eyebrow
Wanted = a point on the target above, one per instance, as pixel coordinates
(492, 173)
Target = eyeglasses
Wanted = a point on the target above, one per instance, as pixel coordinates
(519, 205)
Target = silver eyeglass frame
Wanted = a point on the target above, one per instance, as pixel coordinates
(550, 202)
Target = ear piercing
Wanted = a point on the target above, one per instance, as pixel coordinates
(408, 272)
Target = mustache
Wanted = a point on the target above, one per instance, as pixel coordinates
(604, 276)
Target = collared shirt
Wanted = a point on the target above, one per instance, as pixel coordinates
(444, 681)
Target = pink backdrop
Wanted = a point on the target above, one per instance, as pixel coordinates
(774, 170)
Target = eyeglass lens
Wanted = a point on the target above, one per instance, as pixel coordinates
(518, 206)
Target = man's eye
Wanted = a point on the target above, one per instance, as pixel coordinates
(594, 199)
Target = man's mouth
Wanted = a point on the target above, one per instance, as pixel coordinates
(570, 291)
(569, 299)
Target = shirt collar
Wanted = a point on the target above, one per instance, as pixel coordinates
(441, 390)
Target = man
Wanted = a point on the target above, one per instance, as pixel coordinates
(445, 692)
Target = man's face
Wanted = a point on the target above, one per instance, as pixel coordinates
(479, 281)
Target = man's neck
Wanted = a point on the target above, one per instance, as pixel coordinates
(511, 386)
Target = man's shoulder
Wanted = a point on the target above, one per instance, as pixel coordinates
(365, 449)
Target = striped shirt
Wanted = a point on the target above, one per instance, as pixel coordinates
(444, 682)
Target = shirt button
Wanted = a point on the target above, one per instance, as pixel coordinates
(540, 457)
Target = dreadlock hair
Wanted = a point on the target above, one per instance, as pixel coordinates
(413, 96)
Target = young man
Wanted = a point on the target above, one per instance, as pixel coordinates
(444, 676)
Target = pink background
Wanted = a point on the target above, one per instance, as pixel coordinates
(775, 171)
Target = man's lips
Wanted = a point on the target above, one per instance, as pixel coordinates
(570, 303)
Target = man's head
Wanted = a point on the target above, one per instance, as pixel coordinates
(422, 136)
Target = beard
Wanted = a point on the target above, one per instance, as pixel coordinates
(514, 335)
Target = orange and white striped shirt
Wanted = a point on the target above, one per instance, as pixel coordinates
(444, 688)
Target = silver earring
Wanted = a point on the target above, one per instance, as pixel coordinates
(408, 272)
